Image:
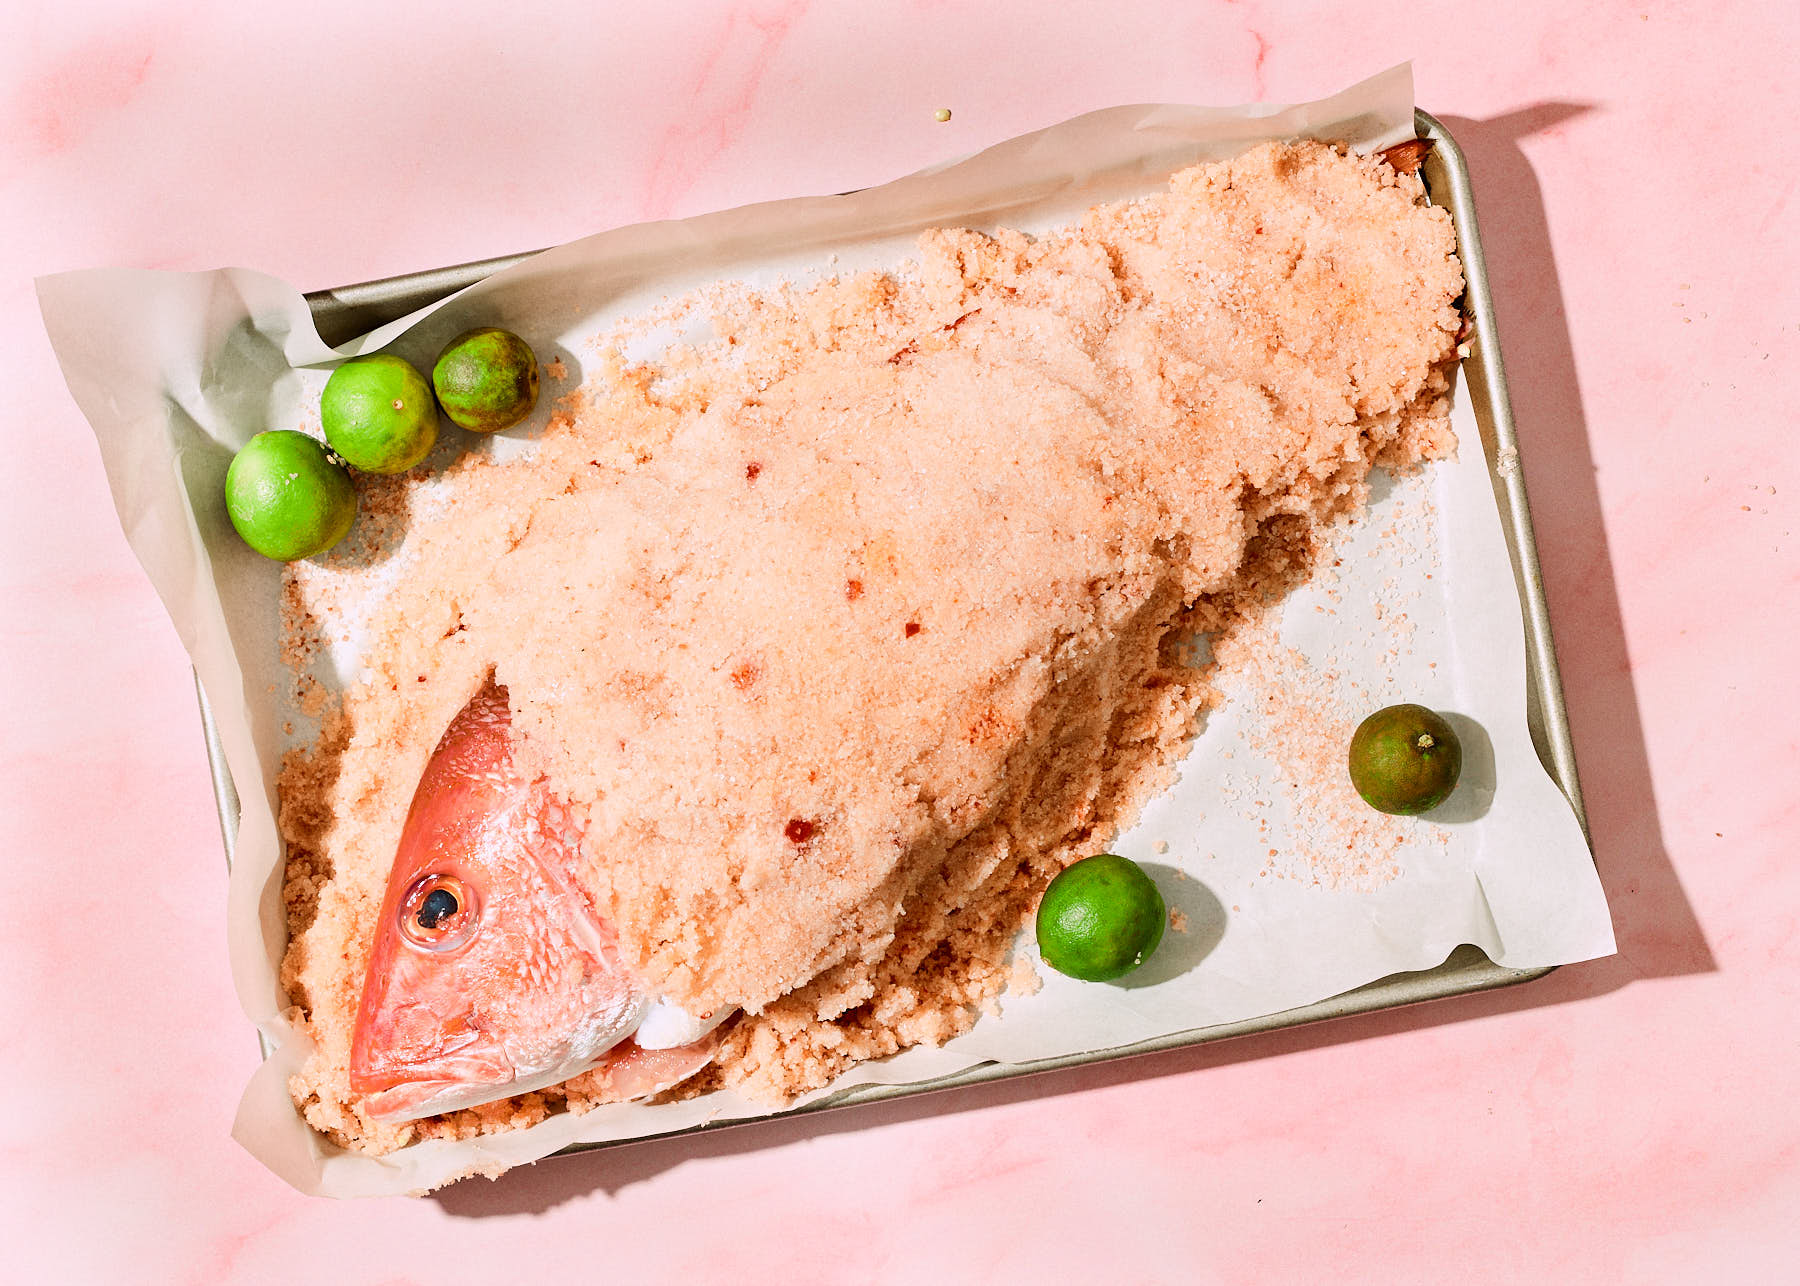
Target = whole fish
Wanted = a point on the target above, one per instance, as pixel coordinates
(491, 973)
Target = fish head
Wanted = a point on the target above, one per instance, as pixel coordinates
(491, 973)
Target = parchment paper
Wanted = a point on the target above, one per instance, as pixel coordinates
(175, 371)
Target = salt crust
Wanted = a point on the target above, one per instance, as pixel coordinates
(843, 632)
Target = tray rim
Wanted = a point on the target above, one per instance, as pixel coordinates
(342, 312)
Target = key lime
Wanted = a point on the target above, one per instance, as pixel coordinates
(287, 498)
(378, 414)
(486, 380)
(1405, 759)
(1100, 919)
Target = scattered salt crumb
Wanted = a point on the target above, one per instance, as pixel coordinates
(1298, 716)
(1023, 979)
(1159, 846)
(1178, 920)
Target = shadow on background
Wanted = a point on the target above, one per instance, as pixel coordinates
(1657, 930)
(1202, 919)
(1658, 933)
(1475, 787)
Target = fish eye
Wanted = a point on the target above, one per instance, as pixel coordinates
(439, 913)
(439, 905)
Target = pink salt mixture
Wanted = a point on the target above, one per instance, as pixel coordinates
(842, 633)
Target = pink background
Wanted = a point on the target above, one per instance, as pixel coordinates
(1628, 1119)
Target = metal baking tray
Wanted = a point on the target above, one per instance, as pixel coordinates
(347, 311)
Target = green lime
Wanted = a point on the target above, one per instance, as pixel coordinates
(486, 380)
(1405, 759)
(1100, 919)
(378, 414)
(286, 497)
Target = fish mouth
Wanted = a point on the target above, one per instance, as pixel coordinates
(415, 1100)
(462, 1081)
(462, 1061)
(470, 1070)
(625, 1071)
(660, 1047)
(421, 1065)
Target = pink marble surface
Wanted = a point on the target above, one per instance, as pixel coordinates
(1632, 1119)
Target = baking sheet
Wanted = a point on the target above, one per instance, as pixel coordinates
(176, 370)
